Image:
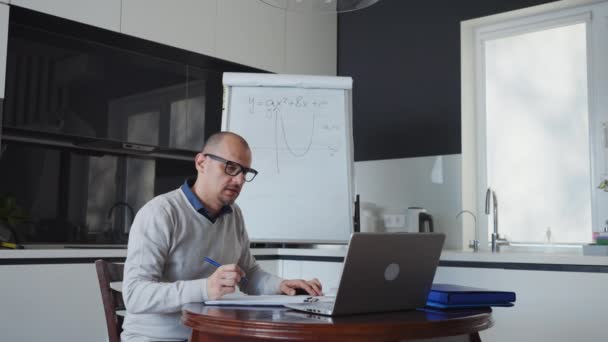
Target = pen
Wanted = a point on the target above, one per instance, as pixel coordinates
(217, 264)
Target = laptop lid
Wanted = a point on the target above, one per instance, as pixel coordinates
(387, 272)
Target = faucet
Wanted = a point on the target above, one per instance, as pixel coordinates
(496, 240)
(472, 243)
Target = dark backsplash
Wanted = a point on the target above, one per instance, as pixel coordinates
(72, 197)
(96, 123)
(69, 78)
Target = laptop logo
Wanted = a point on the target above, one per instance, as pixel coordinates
(391, 272)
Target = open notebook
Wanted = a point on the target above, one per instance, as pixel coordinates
(262, 300)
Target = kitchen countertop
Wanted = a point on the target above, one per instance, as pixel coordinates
(524, 257)
(329, 252)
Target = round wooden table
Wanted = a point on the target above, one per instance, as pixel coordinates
(213, 323)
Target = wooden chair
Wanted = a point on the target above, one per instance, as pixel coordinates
(113, 305)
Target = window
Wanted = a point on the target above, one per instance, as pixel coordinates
(538, 131)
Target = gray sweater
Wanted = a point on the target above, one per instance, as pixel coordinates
(164, 269)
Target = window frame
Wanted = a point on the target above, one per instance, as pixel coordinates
(473, 35)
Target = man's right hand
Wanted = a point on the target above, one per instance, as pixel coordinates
(223, 281)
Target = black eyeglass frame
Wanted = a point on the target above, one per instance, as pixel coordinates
(240, 168)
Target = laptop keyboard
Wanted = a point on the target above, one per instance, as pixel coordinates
(322, 305)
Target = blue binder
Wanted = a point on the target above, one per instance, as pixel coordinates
(435, 305)
(460, 296)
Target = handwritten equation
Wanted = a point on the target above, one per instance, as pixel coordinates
(309, 115)
(272, 107)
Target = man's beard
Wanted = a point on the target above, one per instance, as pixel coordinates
(229, 200)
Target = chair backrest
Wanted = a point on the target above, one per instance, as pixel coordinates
(108, 272)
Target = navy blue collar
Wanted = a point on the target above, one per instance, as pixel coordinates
(198, 205)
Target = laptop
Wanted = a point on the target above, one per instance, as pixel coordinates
(382, 272)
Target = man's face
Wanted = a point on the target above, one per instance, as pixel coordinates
(218, 185)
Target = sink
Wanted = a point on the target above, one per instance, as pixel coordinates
(542, 248)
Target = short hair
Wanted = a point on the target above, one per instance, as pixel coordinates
(217, 138)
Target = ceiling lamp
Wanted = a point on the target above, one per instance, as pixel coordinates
(320, 6)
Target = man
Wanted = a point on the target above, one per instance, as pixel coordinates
(173, 234)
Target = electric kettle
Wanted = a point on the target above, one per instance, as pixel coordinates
(419, 221)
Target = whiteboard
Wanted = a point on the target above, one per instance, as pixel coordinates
(299, 129)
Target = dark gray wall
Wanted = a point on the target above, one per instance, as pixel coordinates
(404, 57)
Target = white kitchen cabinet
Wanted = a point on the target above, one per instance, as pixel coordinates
(251, 33)
(550, 306)
(245, 32)
(58, 302)
(270, 266)
(327, 272)
(311, 44)
(186, 24)
(291, 269)
(100, 13)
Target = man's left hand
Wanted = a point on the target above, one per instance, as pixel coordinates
(312, 287)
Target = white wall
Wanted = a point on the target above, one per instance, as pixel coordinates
(311, 44)
(187, 24)
(391, 186)
(104, 14)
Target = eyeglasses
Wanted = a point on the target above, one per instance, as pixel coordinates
(234, 168)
